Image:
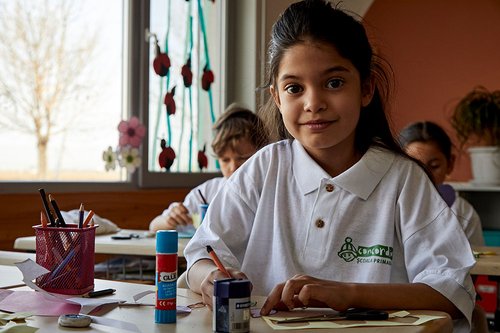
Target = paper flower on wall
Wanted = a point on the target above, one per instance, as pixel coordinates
(202, 158)
(110, 158)
(167, 155)
(131, 132)
(161, 63)
(127, 154)
(130, 158)
(207, 78)
(187, 74)
(170, 102)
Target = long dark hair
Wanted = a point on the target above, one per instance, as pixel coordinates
(427, 131)
(318, 20)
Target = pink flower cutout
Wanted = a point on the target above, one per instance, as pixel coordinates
(131, 132)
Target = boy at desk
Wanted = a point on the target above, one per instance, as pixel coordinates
(336, 214)
(239, 133)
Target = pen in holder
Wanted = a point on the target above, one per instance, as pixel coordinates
(68, 253)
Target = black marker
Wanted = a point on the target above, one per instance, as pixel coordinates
(47, 208)
(98, 293)
(61, 223)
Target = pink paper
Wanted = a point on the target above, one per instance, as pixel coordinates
(34, 302)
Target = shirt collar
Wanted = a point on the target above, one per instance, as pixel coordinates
(361, 179)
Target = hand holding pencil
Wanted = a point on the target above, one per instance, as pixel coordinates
(217, 262)
(204, 284)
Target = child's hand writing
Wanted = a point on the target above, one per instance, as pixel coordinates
(303, 290)
(207, 286)
(179, 215)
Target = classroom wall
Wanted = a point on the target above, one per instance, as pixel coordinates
(439, 51)
(128, 209)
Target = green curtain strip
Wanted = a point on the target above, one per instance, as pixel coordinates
(207, 57)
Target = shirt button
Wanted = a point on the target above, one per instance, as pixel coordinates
(320, 223)
(329, 187)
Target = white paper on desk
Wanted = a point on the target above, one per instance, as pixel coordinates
(418, 319)
(124, 325)
(31, 270)
(13, 327)
(141, 295)
(90, 304)
(9, 325)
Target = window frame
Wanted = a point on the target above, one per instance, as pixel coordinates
(135, 90)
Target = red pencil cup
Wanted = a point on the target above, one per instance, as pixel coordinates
(68, 253)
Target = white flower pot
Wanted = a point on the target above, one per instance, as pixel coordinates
(485, 165)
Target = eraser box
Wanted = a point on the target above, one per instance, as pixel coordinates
(68, 253)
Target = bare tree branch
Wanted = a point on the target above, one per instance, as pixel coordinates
(44, 59)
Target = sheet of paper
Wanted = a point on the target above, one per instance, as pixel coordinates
(36, 303)
(400, 318)
(13, 327)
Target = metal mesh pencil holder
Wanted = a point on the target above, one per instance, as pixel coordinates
(68, 253)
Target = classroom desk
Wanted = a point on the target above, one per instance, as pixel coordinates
(489, 265)
(200, 319)
(10, 276)
(144, 246)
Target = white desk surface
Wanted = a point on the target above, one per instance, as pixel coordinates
(200, 319)
(487, 264)
(144, 246)
(10, 276)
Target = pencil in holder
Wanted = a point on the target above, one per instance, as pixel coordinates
(68, 253)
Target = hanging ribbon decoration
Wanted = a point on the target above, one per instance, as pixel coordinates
(206, 81)
(208, 76)
(161, 65)
(190, 92)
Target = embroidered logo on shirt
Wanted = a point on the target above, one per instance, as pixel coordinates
(379, 254)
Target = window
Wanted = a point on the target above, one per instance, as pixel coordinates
(61, 88)
(185, 101)
(98, 54)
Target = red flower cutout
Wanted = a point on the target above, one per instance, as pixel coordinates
(170, 102)
(161, 63)
(187, 74)
(202, 158)
(167, 155)
(207, 78)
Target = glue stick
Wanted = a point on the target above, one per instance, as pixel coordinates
(166, 276)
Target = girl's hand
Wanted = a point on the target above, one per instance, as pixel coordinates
(303, 290)
(179, 215)
(207, 285)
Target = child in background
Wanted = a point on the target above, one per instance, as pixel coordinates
(429, 143)
(239, 133)
(335, 215)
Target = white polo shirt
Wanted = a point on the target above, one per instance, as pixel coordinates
(193, 199)
(380, 221)
(469, 219)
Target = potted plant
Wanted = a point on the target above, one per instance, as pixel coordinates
(476, 121)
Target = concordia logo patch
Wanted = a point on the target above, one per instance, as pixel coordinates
(378, 254)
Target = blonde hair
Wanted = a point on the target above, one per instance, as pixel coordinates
(235, 124)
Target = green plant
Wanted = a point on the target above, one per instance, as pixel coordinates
(476, 118)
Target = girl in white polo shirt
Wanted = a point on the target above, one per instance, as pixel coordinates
(335, 215)
(428, 142)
